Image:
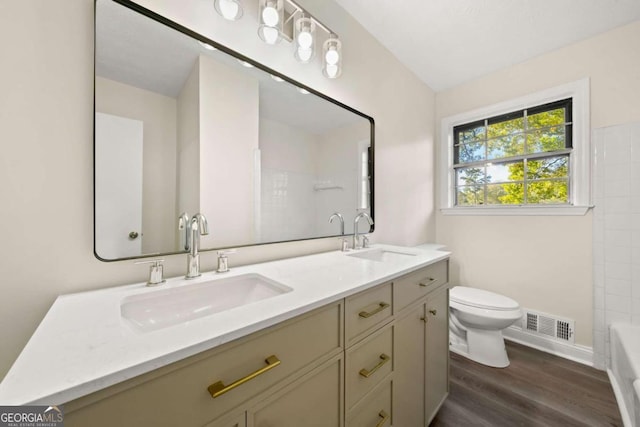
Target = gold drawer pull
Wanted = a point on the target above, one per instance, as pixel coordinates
(430, 281)
(385, 418)
(218, 389)
(433, 312)
(383, 359)
(367, 314)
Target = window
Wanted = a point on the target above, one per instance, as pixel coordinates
(518, 158)
(364, 175)
(527, 156)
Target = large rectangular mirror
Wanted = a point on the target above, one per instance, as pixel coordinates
(181, 128)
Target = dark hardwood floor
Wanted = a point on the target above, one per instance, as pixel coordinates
(537, 389)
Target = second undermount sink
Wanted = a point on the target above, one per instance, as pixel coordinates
(382, 255)
(167, 307)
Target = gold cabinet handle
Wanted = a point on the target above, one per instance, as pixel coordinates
(430, 281)
(433, 312)
(383, 359)
(367, 314)
(385, 418)
(218, 389)
(425, 319)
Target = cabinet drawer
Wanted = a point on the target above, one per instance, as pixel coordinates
(366, 310)
(178, 394)
(315, 400)
(367, 363)
(374, 410)
(413, 286)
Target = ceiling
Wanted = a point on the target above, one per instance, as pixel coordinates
(448, 42)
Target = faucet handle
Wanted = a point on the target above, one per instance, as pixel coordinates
(223, 261)
(155, 271)
(365, 242)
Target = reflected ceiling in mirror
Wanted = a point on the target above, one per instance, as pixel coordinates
(184, 129)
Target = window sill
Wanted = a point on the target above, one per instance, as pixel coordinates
(518, 211)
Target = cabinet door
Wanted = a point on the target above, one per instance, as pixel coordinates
(437, 352)
(236, 420)
(408, 366)
(315, 400)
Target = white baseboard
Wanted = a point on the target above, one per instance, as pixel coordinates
(576, 352)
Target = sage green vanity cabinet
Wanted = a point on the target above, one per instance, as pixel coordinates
(421, 347)
(220, 382)
(376, 358)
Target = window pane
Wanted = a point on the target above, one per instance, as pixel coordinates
(546, 118)
(507, 127)
(470, 195)
(505, 194)
(506, 146)
(470, 135)
(552, 167)
(470, 152)
(503, 172)
(546, 139)
(548, 192)
(470, 176)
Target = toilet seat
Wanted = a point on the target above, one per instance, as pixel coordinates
(479, 298)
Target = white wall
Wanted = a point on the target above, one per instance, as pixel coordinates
(158, 113)
(188, 149)
(543, 262)
(46, 170)
(228, 140)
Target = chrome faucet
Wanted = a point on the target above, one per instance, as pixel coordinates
(337, 215)
(197, 227)
(356, 236)
(183, 227)
(345, 245)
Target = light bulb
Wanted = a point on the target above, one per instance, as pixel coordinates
(245, 64)
(332, 56)
(331, 70)
(270, 15)
(305, 39)
(276, 78)
(269, 35)
(207, 46)
(229, 9)
(304, 54)
(303, 91)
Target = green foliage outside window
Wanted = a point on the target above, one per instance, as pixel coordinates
(515, 160)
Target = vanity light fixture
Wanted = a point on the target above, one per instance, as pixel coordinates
(285, 19)
(271, 20)
(230, 10)
(332, 57)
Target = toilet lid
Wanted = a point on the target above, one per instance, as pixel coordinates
(481, 298)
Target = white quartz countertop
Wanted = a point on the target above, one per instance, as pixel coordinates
(84, 345)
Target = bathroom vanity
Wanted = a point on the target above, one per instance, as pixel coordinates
(359, 340)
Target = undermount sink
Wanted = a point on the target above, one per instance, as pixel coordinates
(168, 307)
(382, 255)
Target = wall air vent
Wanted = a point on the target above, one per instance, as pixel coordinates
(554, 327)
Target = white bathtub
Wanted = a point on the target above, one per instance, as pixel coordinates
(625, 371)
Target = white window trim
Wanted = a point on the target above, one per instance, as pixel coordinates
(580, 163)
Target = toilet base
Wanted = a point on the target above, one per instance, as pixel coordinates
(482, 346)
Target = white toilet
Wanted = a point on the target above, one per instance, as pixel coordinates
(476, 320)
